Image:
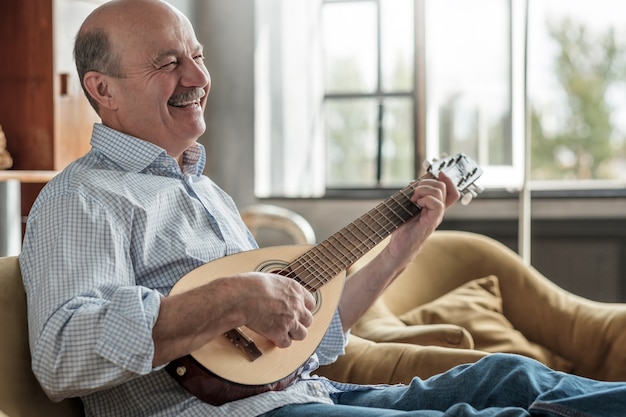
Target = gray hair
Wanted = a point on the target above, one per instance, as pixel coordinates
(93, 52)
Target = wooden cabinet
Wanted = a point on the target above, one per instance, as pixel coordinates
(43, 111)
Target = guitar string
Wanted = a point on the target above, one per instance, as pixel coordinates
(346, 242)
(314, 262)
(320, 269)
(312, 266)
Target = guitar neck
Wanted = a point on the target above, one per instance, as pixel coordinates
(320, 264)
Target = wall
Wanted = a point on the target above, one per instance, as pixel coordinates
(227, 33)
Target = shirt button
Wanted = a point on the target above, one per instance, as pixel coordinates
(317, 390)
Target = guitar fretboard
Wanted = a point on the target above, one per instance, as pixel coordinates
(321, 263)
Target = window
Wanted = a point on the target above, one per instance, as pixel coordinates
(351, 94)
(472, 93)
(369, 93)
(577, 91)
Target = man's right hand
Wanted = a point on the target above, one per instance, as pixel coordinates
(278, 308)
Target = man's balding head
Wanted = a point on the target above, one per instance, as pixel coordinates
(102, 36)
(143, 70)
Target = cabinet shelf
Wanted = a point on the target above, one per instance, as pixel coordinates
(28, 176)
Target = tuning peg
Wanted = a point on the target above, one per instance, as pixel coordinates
(469, 194)
(426, 164)
(467, 198)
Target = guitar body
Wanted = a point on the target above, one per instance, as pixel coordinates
(226, 360)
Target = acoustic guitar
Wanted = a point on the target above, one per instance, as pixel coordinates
(244, 363)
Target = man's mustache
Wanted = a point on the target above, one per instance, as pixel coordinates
(187, 96)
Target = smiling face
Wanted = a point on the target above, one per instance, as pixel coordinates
(161, 95)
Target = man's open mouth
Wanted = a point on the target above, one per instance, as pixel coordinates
(191, 98)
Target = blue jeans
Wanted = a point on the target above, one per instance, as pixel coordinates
(500, 385)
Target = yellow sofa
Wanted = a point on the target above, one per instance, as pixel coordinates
(578, 335)
(20, 393)
(469, 291)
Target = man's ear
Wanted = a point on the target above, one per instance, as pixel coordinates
(97, 85)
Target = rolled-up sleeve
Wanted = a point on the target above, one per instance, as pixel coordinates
(126, 337)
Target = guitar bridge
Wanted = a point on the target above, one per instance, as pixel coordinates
(238, 338)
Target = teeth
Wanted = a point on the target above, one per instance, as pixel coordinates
(183, 103)
(187, 99)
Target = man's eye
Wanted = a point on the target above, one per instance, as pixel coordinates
(199, 57)
(169, 64)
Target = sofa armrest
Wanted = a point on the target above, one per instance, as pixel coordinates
(368, 362)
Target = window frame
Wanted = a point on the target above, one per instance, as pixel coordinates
(379, 95)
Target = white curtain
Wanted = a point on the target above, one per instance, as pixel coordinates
(289, 136)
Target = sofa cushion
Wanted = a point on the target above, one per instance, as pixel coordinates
(477, 306)
(379, 324)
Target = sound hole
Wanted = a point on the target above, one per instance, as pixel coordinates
(277, 267)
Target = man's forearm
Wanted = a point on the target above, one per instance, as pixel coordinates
(189, 320)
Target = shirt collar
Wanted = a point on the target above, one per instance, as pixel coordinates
(136, 155)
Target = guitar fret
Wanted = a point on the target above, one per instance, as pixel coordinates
(300, 268)
(380, 233)
(339, 251)
(385, 225)
(336, 262)
(400, 204)
(334, 259)
(329, 266)
(407, 192)
(316, 271)
(340, 242)
(332, 250)
(364, 235)
(375, 219)
(390, 226)
(353, 247)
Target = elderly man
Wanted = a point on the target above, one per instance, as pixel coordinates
(109, 237)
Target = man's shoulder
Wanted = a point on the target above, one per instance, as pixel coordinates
(82, 171)
(90, 177)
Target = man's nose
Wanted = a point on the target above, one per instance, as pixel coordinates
(195, 74)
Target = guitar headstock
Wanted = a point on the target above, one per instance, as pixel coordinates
(462, 170)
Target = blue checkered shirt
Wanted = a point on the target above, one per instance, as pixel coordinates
(106, 239)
